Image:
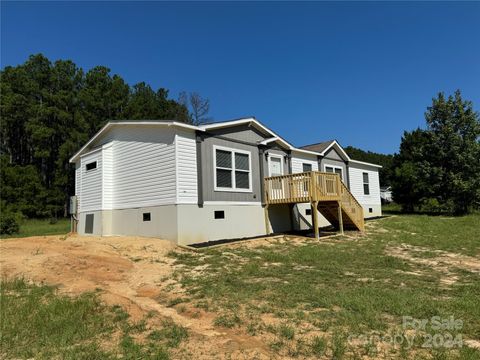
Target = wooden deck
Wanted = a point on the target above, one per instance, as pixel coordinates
(324, 191)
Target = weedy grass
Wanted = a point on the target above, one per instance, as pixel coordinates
(40, 227)
(37, 322)
(344, 286)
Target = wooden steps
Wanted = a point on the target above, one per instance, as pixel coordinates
(324, 191)
(329, 210)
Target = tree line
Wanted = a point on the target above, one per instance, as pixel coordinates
(50, 109)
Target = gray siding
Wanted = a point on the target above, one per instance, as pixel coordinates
(333, 154)
(277, 151)
(244, 138)
(333, 158)
(208, 172)
(242, 133)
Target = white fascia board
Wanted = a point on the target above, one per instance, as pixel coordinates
(248, 121)
(303, 151)
(79, 152)
(366, 163)
(269, 140)
(223, 124)
(129, 122)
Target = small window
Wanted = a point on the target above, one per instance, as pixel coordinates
(308, 211)
(366, 184)
(89, 223)
(147, 217)
(334, 169)
(307, 167)
(91, 166)
(370, 210)
(219, 214)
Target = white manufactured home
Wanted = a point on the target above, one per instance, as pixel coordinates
(226, 180)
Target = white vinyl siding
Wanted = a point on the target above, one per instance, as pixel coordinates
(144, 167)
(107, 181)
(186, 154)
(299, 160)
(78, 181)
(356, 173)
(91, 180)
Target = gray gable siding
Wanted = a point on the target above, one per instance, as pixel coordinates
(333, 154)
(242, 133)
(332, 158)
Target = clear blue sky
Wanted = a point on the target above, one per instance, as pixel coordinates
(358, 72)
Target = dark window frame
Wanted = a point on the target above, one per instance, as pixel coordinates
(308, 165)
(147, 216)
(89, 167)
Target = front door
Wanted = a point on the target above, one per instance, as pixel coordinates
(275, 167)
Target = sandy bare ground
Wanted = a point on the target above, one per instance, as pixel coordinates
(443, 261)
(130, 271)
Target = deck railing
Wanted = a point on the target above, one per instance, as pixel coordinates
(302, 187)
(312, 187)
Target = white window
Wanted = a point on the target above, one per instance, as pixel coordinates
(334, 169)
(232, 169)
(275, 165)
(366, 184)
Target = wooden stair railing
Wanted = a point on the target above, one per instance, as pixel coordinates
(352, 207)
(325, 191)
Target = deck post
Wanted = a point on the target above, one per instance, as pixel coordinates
(340, 217)
(315, 219)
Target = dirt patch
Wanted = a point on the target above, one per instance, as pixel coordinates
(442, 261)
(132, 272)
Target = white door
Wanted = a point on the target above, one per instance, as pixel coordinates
(275, 167)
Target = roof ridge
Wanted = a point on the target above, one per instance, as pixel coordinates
(318, 143)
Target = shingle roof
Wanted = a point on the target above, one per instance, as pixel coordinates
(318, 147)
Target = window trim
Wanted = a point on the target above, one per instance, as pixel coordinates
(333, 167)
(233, 169)
(366, 183)
(281, 163)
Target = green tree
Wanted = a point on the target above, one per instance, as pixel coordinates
(103, 97)
(440, 165)
(411, 178)
(48, 111)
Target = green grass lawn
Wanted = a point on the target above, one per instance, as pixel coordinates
(37, 322)
(302, 298)
(39, 227)
(352, 285)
